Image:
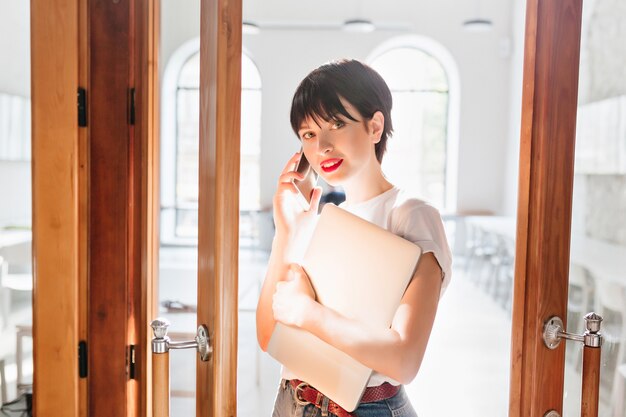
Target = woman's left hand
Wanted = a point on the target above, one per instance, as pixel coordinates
(293, 297)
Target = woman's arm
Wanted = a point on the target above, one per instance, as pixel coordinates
(287, 215)
(396, 352)
(276, 271)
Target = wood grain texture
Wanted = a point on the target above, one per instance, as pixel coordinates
(145, 196)
(55, 189)
(161, 384)
(220, 101)
(83, 199)
(109, 211)
(591, 382)
(544, 203)
(147, 206)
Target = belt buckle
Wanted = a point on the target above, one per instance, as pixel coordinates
(296, 395)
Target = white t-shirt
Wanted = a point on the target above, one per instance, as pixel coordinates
(411, 219)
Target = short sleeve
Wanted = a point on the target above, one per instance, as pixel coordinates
(421, 224)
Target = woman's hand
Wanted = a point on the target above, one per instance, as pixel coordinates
(293, 298)
(287, 212)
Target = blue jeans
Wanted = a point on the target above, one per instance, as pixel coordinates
(396, 406)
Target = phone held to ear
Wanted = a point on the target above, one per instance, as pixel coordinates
(305, 187)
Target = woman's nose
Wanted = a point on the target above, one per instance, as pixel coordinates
(324, 145)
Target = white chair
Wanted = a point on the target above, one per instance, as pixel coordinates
(9, 283)
(5, 296)
(503, 273)
(22, 331)
(19, 257)
(3, 384)
(482, 247)
(620, 393)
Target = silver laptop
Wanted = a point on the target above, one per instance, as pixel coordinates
(359, 270)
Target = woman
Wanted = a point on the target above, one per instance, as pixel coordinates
(341, 114)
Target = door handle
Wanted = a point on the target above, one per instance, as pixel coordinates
(161, 345)
(554, 331)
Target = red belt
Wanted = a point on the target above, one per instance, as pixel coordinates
(307, 394)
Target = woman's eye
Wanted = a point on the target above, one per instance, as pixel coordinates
(338, 124)
(307, 135)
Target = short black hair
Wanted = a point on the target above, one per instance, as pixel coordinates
(318, 96)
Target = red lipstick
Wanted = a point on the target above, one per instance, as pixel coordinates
(331, 165)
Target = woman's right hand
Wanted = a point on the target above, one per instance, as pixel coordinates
(286, 209)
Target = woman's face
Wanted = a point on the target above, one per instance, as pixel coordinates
(339, 150)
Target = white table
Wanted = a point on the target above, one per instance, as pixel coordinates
(14, 237)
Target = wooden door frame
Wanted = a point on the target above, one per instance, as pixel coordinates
(110, 226)
(147, 29)
(218, 205)
(60, 63)
(56, 152)
(549, 103)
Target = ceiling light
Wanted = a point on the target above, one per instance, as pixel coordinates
(478, 25)
(358, 25)
(249, 28)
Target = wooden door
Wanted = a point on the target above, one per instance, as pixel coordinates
(94, 227)
(546, 171)
(218, 203)
(56, 220)
(549, 104)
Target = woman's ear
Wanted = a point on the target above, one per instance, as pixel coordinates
(376, 126)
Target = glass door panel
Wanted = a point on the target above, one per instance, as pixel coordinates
(597, 281)
(16, 281)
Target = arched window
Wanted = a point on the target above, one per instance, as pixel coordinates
(179, 173)
(417, 154)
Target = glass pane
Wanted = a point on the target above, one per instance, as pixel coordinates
(15, 127)
(187, 122)
(179, 139)
(179, 214)
(250, 77)
(250, 191)
(190, 73)
(416, 155)
(16, 280)
(597, 281)
(468, 355)
(411, 69)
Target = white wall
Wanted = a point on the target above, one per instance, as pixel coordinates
(180, 22)
(509, 204)
(15, 193)
(15, 47)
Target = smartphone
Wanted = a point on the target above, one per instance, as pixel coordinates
(305, 187)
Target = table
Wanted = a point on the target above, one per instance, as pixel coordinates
(14, 237)
(603, 259)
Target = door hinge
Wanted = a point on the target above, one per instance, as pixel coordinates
(82, 359)
(82, 107)
(131, 362)
(131, 106)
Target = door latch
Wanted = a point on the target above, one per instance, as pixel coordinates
(161, 343)
(554, 331)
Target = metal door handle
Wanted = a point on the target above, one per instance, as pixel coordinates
(554, 331)
(161, 343)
